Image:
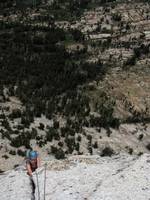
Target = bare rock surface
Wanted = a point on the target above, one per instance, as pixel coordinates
(121, 177)
(15, 185)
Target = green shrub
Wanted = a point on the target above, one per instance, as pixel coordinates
(41, 143)
(130, 151)
(33, 133)
(108, 132)
(41, 126)
(1, 171)
(56, 124)
(53, 149)
(21, 152)
(77, 146)
(90, 149)
(5, 156)
(51, 134)
(22, 140)
(148, 146)
(131, 61)
(140, 137)
(79, 138)
(116, 17)
(95, 145)
(5, 134)
(12, 152)
(5, 124)
(15, 114)
(89, 137)
(70, 142)
(107, 151)
(60, 154)
(61, 144)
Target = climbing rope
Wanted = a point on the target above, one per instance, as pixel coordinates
(38, 186)
(45, 179)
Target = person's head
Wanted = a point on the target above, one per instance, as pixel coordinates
(33, 155)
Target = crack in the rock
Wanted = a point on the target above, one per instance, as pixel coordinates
(33, 189)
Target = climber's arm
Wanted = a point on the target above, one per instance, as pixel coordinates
(29, 170)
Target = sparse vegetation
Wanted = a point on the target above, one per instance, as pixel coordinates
(70, 61)
(107, 151)
(148, 146)
(21, 152)
(58, 152)
(12, 152)
(5, 156)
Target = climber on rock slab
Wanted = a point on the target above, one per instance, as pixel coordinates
(32, 162)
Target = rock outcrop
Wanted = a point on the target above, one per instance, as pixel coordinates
(93, 178)
(15, 185)
(120, 177)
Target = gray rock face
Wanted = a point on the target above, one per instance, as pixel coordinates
(93, 178)
(120, 177)
(15, 185)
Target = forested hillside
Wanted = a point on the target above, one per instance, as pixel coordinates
(72, 67)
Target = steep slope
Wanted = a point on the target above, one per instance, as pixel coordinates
(93, 178)
(74, 78)
(15, 184)
(120, 177)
